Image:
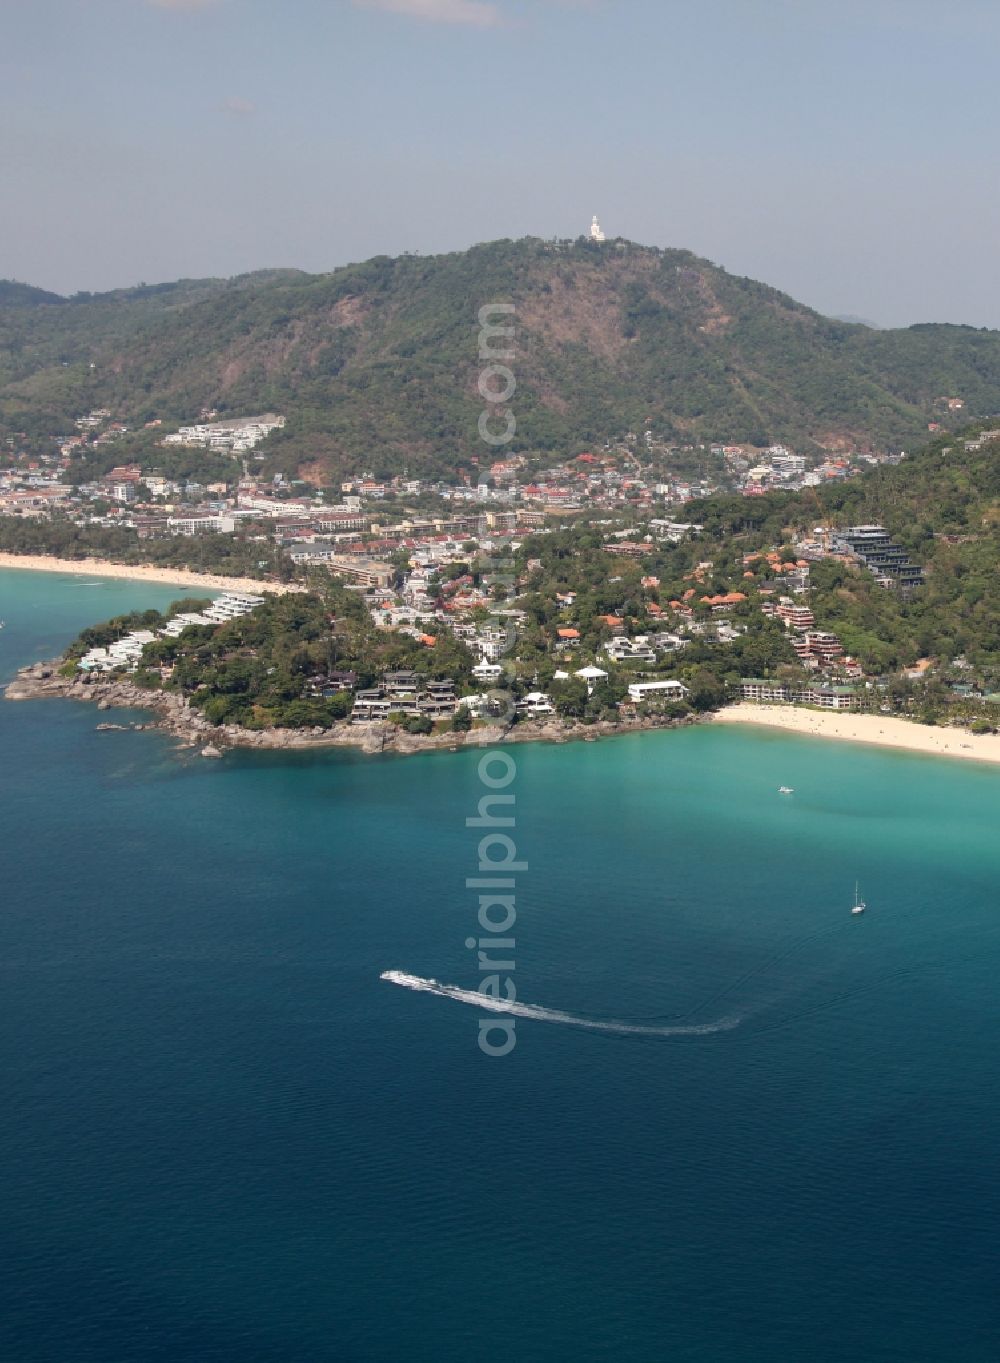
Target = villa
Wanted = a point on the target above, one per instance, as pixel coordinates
(669, 690)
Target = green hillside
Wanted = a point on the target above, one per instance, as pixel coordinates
(942, 505)
(376, 364)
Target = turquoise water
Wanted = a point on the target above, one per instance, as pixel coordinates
(225, 1138)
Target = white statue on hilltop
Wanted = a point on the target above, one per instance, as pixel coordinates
(595, 230)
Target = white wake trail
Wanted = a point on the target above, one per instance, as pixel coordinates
(537, 1013)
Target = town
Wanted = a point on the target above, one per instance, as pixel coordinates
(585, 589)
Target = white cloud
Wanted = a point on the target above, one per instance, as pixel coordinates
(476, 13)
(238, 106)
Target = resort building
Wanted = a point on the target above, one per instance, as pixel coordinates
(886, 561)
(198, 524)
(126, 653)
(371, 705)
(405, 693)
(365, 572)
(831, 697)
(763, 691)
(827, 697)
(824, 646)
(235, 436)
(794, 615)
(667, 690)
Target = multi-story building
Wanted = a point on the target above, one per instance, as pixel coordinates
(621, 650)
(365, 572)
(237, 435)
(824, 646)
(795, 616)
(198, 524)
(888, 563)
(787, 463)
(761, 690)
(337, 520)
(827, 697)
(405, 693)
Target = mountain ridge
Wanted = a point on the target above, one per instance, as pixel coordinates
(376, 364)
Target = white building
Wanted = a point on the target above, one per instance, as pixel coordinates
(629, 650)
(536, 703)
(493, 642)
(236, 435)
(591, 675)
(672, 690)
(127, 652)
(196, 524)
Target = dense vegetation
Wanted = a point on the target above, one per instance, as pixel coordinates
(376, 365)
(943, 506)
(230, 555)
(269, 668)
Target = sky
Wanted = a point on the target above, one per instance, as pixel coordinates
(842, 151)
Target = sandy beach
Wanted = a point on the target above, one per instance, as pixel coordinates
(881, 730)
(180, 577)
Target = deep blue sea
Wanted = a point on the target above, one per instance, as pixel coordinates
(224, 1137)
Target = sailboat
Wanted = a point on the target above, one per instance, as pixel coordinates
(859, 905)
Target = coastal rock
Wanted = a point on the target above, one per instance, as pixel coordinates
(175, 716)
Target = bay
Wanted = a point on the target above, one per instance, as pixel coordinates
(225, 1137)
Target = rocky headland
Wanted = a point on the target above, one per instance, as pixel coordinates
(175, 715)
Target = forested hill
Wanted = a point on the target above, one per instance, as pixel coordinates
(942, 505)
(377, 363)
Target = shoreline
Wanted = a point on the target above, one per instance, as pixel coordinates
(883, 731)
(174, 715)
(143, 572)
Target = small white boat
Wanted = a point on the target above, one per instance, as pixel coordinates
(859, 904)
(786, 790)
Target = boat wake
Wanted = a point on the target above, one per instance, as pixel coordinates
(537, 1013)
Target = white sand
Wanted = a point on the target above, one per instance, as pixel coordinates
(180, 577)
(883, 730)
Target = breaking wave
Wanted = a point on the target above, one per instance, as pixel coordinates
(537, 1013)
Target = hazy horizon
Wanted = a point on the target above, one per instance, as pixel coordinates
(833, 153)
